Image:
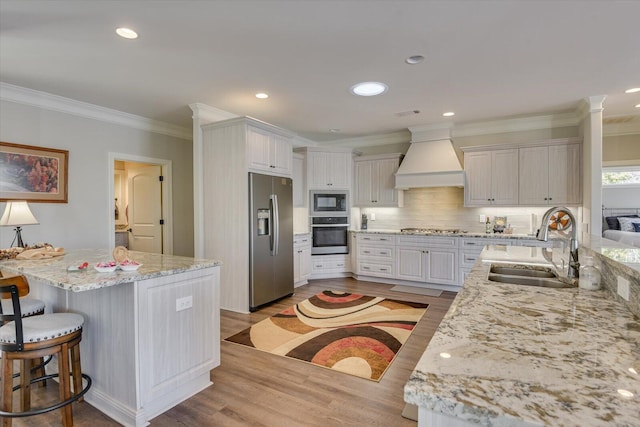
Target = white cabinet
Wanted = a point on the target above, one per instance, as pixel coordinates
(376, 255)
(375, 181)
(491, 178)
(429, 259)
(550, 175)
(470, 249)
(301, 259)
(328, 169)
(329, 266)
(268, 152)
(299, 181)
(228, 153)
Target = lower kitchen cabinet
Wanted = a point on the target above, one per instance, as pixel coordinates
(376, 255)
(411, 264)
(301, 259)
(428, 259)
(328, 266)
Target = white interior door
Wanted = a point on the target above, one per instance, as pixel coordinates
(145, 209)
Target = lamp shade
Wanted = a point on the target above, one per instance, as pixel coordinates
(17, 213)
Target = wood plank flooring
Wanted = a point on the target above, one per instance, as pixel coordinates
(253, 388)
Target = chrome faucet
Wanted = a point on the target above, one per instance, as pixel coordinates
(543, 234)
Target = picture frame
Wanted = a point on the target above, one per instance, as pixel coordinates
(34, 174)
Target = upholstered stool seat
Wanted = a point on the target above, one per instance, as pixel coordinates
(25, 339)
(28, 307)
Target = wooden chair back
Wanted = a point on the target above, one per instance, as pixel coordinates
(19, 281)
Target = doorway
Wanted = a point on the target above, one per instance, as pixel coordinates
(141, 204)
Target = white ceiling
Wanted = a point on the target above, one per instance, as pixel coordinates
(485, 60)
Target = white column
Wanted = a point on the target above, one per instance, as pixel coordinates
(592, 165)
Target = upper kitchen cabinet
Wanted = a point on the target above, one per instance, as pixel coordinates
(491, 177)
(375, 181)
(551, 174)
(299, 181)
(268, 150)
(328, 169)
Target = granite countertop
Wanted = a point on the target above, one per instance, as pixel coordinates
(54, 270)
(522, 355)
(461, 234)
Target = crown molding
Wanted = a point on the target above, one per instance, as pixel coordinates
(631, 127)
(519, 124)
(210, 114)
(48, 101)
(371, 140)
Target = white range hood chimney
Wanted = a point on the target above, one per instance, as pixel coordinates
(431, 161)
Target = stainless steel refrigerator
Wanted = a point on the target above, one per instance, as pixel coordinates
(271, 239)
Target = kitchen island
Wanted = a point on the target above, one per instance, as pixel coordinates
(514, 355)
(151, 336)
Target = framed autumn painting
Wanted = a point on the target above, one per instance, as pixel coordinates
(34, 174)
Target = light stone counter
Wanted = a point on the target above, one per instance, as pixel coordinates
(510, 355)
(54, 270)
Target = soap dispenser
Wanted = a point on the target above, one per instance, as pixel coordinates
(589, 275)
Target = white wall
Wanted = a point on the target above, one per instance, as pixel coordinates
(83, 222)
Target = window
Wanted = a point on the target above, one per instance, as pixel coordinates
(621, 176)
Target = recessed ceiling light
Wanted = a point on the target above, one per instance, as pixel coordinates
(334, 130)
(445, 355)
(625, 393)
(369, 88)
(637, 105)
(127, 33)
(262, 95)
(415, 59)
(449, 114)
(632, 90)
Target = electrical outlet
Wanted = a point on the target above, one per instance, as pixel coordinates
(372, 217)
(184, 303)
(482, 218)
(623, 288)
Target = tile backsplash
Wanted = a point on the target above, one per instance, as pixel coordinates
(443, 207)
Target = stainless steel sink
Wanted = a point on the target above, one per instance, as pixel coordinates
(528, 276)
(527, 272)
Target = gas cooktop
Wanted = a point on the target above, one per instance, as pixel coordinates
(433, 230)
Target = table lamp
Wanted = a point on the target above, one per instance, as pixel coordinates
(17, 213)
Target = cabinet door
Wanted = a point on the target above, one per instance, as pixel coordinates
(410, 264)
(296, 264)
(565, 175)
(317, 170)
(364, 175)
(305, 263)
(504, 177)
(534, 176)
(258, 142)
(280, 155)
(299, 180)
(477, 168)
(339, 170)
(387, 195)
(442, 266)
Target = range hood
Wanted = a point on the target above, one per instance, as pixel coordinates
(432, 163)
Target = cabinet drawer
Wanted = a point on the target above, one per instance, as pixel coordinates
(468, 258)
(428, 241)
(376, 238)
(376, 251)
(302, 240)
(375, 269)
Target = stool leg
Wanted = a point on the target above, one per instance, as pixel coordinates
(7, 388)
(65, 389)
(25, 384)
(40, 372)
(76, 370)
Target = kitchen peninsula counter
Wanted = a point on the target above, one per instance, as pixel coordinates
(513, 355)
(151, 336)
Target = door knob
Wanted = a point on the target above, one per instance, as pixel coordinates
(130, 230)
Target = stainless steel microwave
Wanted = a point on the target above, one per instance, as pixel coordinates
(328, 203)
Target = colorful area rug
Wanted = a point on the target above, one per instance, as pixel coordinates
(356, 334)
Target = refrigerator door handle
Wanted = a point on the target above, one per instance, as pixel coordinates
(276, 225)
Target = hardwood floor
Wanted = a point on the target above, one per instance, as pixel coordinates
(253, 388)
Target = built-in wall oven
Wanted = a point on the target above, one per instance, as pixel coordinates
(330, 235)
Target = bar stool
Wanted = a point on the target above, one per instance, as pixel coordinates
(28, 307)
(25, 339)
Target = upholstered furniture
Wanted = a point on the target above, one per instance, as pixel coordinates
(26, 339)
